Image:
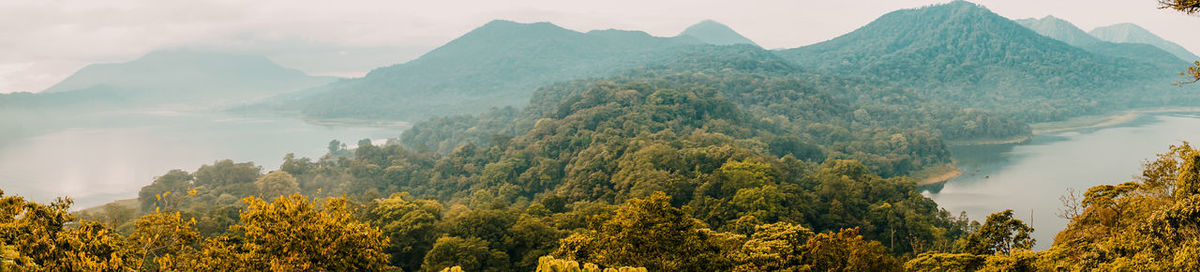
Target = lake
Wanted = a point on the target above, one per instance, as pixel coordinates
(1030, 177)
(101, 157)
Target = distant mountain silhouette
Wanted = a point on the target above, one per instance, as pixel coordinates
(712, 32)
(1131, 33)
(189, 76)
(498, 64)
(1062, 30)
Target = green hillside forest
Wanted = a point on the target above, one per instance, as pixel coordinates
(537, 148)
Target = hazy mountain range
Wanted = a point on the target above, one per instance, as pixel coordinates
(958, 51)
(1062, 30)
(1131, 33)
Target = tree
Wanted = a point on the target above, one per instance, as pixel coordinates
(163, 235)
(845, 250)
(276, 183)
(775, 247)
(151, 196)
(36, 236)
(1190, 7)
(410, 224)
(650, 233)
(335, 146)
(226, 172)
(550, 264)
(1000, 234)
(295, 234)
(1185, 6)
(471, 254)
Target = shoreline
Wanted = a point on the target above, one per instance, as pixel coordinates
(1102, 121)
(1014, 140)
(355, 122)
(939, 174)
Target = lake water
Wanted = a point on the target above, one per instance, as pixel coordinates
(1029, 177)
(102, 157)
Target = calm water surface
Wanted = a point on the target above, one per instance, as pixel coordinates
(1029, 178)
(109, 156)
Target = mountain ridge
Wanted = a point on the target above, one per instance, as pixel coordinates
(179, 75)
(962, 52)
(495, 65)
(1131, 33)
(1067, 32)
(715, 33)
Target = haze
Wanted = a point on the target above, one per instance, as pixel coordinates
(42, 39)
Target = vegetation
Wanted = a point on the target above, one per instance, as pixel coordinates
(1147, 224)
(726, 158)
(963, 54)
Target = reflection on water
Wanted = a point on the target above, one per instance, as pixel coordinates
(109, 156)
(1029, 178)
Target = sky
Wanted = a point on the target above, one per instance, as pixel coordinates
(44, 41)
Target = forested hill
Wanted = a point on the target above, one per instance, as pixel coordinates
(709, 172)
(498, 64)
(1064, 31)
(963, 53)
(811, 116)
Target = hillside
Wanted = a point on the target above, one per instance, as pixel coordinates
(712, 32)
(195, 77)
(498, 64)
(1064, 31)
(1131, 33)
(962, 53)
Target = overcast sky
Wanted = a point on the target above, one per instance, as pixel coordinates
(44, 41)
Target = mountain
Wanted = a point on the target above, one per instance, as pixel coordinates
(496, 65)
(963, 53)
(1064, 31)
(1061, 30)
(715, 33)
(1131, 33)
(189, 76)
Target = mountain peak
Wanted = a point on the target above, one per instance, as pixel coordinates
(1060, 29)
(506, 27)
(191, 73)
(712, 32)
(1131, 33)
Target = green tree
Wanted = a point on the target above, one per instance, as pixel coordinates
(335, 146)
(1000, 234)
(471, 254)
(550, 264)
(151, 196)
(276, 183)
(775, 247)
(650, 233)
(845, 250)
(410, 224)
(226, 173)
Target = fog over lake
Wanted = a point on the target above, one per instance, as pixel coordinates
(1029, 178)
(102, 157)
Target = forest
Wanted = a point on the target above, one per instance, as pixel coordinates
(715, 158)
(656, 171)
